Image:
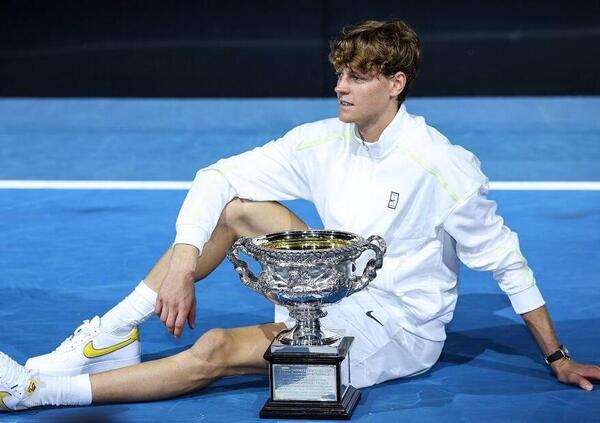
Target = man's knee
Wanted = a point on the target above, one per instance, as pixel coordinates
(234, 215)
(251, 218)
(213, 348)
(241, 216)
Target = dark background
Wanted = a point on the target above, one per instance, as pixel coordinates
(229, 48)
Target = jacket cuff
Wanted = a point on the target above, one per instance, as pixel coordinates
(526, 300)
(192, 235)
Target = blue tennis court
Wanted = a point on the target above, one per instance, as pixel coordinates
(69, 254)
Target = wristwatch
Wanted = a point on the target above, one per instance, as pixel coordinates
(562, 352)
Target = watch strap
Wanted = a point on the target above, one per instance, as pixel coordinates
(557, 355)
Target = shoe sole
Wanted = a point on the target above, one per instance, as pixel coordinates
(101, 366)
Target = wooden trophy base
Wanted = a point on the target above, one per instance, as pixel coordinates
(312, 409)
(308, 382)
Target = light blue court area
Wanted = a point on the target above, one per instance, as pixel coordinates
(66, 255)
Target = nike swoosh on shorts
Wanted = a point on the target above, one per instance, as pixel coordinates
(370, 314)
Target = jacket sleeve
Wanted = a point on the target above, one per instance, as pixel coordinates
(268, 173)
(273, 172)
(483, 242)
(202, 207)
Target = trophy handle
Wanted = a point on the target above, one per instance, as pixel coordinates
(241, 267)
(372, 266)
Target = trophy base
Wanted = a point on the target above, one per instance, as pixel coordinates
(310, 382)
(312, 409)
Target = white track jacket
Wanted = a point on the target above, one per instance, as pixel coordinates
(423, 195)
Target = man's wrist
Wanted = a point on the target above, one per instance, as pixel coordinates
(184, 258)
(557, 366)
(185, 250)
(561, 354)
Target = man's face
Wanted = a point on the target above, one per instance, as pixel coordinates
(365, 98)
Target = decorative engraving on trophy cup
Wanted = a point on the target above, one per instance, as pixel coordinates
(305, 271)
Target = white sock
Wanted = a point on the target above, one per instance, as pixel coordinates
(61, 390)
(136, 308)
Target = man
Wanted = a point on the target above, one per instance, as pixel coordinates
(374, 170)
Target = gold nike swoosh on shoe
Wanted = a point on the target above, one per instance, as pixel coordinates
(33, 384)
(3, 395)
(90, 352)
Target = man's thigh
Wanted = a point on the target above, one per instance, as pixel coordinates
(253, 218)
(243, 218)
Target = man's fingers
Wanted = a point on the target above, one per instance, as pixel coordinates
(585, 384)
(192, 316)
(179, 322)
(164, 313)
(170, 323)
(590, 372)
(158, 306)
(580, 381)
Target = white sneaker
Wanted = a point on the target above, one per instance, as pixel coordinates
(89, 350)
(17, 385)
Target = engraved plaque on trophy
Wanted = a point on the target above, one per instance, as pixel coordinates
(309, 366)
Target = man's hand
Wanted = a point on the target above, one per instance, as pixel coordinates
(176, 300)
(567, 371)
(573, 373)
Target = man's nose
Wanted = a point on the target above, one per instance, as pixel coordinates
(342, 85)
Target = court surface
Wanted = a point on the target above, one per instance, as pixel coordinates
(68, 254)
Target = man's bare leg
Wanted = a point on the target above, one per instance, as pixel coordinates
(217, 353)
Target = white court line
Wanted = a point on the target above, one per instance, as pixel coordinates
(183, 185)
(115, 185)
(545, 186)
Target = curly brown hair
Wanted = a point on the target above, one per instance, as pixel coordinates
(382, 47)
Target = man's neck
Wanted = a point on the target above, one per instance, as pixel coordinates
(370, 132)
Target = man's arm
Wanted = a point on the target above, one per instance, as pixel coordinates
(485, 243)
(199, 214)
(567, 371)
(267, 173)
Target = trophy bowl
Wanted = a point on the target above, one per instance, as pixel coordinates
(306, 270)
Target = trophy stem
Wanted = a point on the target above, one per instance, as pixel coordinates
(307, 330)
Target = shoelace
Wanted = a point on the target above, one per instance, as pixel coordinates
(12, 374)
(85, 330)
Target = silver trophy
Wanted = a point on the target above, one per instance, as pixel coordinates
(305, 271)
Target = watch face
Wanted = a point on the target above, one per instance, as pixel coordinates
(566, 351)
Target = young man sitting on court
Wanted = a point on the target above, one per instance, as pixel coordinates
(373, 170)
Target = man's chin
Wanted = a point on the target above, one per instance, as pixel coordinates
(345, 118)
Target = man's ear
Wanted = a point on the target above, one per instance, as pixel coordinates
(398, 81)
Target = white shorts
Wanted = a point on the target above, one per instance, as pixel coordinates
(382, 350)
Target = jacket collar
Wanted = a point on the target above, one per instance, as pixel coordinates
(386, 142)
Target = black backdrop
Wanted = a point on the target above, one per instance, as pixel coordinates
(228, 48)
